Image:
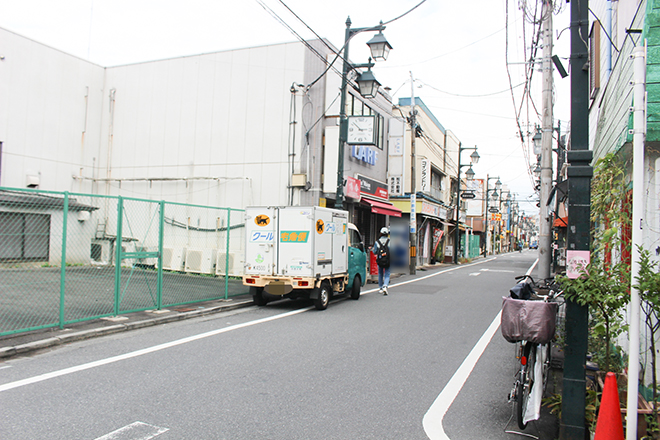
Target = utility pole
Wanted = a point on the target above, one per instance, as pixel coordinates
(639, 139)
(578, 241)
(413, 191)
(545, 242)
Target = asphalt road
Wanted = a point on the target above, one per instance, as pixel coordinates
(367, 369)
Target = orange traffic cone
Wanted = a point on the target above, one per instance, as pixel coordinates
(609, 425)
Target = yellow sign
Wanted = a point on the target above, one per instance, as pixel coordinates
(320, 227)
(322, 202)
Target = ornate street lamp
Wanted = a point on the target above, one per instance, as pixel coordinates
(379, 46)
(368, 87)
(494, 196)
(368, 84)
(469, 175)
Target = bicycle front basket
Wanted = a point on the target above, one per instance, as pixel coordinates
(532, 321)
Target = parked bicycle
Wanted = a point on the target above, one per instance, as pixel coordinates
(529, 318)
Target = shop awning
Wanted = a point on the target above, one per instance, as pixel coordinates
(382, 207)
(560, 222)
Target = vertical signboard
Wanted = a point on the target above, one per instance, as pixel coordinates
(426, 175)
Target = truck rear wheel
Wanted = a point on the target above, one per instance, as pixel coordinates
(323, 298)
(258, 296)
(357, 285)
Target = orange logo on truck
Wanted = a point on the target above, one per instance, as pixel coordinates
(320, 227)
(262, 220)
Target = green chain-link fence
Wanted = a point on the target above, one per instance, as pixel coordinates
(120, 255)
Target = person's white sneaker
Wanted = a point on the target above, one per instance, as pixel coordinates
(385, 290)
(380, 290)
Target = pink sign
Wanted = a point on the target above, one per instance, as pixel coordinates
(352, 188)
(576, 263)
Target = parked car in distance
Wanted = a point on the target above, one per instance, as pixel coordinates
(534, 245)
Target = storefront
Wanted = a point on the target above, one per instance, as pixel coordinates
(433, 227)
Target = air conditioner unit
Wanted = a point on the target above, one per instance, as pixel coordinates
(173, 258)
(101, 251)
(221, 264)
(200, 260)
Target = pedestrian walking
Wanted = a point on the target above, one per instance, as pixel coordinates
(382, 251)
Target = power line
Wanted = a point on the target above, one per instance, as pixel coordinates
(472, 96)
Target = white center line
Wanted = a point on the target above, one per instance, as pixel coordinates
(132, 354)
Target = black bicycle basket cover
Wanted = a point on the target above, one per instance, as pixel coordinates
(521, 291)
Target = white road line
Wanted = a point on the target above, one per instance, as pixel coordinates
(135, 431)
(475, 274)
(432, 421)
(155, 348)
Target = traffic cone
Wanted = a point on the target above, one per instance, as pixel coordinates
(609, 425)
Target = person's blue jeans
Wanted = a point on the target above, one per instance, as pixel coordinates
(383, 277)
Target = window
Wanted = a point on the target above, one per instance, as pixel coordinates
(24, 237)
(437, 185)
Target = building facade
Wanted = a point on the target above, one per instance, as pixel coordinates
(435, 168)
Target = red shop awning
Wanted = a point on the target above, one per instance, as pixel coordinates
(382, 207)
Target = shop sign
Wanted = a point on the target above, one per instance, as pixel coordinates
(373, 187)
(352, 188)
(434, 210)
(365, 154)
(426, 175)
(437, 236)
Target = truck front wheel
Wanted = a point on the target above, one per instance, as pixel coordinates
(258, 296)
(357, 285)
(323, 297)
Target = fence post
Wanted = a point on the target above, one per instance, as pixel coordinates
(65, 219)
(161, 225)
(118, 242)
(227, 254)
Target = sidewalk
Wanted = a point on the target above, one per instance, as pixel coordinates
(23, 343)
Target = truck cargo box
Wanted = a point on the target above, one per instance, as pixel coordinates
(296, 241)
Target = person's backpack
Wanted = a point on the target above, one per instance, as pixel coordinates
(383, 256)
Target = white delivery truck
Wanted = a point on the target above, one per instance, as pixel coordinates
(302, 252)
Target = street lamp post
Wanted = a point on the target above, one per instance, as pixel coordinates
(498, 185)
(469, 175)
(368, 86)
(505, 200)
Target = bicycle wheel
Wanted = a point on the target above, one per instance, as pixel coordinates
(525, 383)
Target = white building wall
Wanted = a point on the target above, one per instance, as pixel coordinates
(49, 113)
(216, 124)
(222, 116)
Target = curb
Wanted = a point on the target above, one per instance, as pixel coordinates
(10, 351)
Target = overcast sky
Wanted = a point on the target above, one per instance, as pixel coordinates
(454, 49)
